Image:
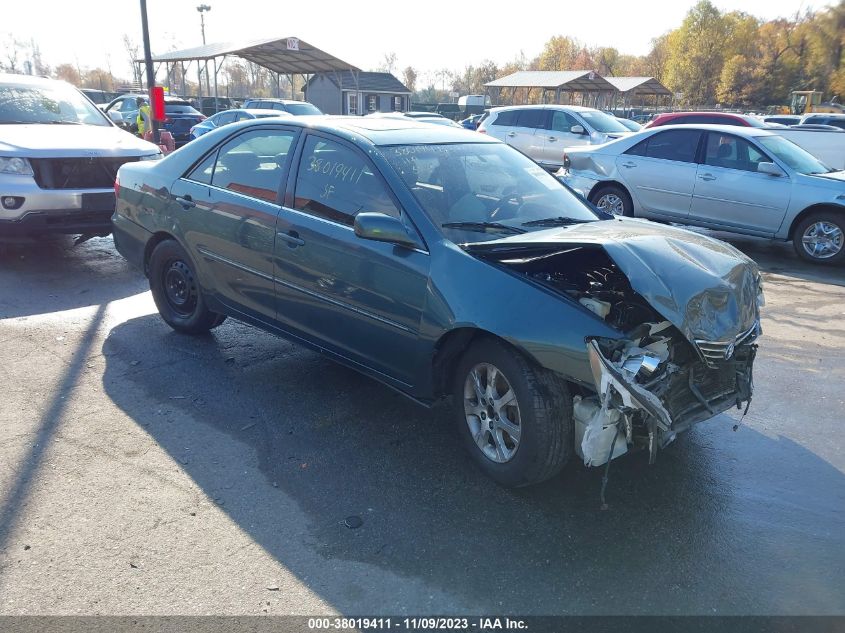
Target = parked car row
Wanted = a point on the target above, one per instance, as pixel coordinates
(742, 179)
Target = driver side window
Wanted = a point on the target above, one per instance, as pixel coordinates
(336, 183)
(563, 121)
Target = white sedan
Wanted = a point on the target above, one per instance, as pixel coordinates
(745, 180)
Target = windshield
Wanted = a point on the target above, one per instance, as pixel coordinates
(601, 122)
(53, 103)
(490, 189)
(797, 158)
(302, 108)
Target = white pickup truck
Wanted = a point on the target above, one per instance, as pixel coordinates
(826, 145)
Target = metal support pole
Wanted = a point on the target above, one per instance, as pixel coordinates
(216, 100)
(148, 60)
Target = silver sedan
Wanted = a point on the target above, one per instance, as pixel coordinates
(746, 180)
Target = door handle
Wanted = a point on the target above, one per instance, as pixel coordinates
(185, 201)
(552, 139)
(707, 177)
(629, 165)
(511, 133)
(292, 238)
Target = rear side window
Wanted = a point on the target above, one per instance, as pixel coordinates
(533, 118)
(335, 182)
(252, 163)
(677, 145)
(508, 117)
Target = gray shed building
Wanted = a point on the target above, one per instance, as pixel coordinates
(351, 92)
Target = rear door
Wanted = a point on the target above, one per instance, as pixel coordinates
(358, 298)
(729, 191)
(660, 172)
(227, 208)
(529, 132)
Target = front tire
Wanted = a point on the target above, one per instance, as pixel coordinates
(613, 199)
(176, 291)
(514, 418)
(820, 238)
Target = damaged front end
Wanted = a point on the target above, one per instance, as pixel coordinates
(653, 386)
(687, 309)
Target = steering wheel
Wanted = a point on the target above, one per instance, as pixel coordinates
(510, 198)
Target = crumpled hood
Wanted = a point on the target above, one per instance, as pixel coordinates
(70, 141)
(704, 287)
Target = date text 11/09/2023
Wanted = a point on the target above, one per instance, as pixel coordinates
(418, 624)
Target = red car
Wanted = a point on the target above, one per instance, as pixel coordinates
(718, 118)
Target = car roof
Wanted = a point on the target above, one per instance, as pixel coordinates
(543, 106)
(274, 100)
(714, 127)
(11, 78)
(382, 131)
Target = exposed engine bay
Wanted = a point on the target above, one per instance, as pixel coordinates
(652, 382)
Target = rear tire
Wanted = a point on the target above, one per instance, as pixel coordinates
(518, 426)
(613, 199)
(820, 238)
(177, 292)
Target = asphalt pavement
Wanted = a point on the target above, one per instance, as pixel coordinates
(145, 472)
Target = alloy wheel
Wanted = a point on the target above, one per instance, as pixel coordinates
(822, 240)
(611, 203)
(492, 412)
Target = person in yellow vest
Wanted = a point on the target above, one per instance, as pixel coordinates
(143, 118)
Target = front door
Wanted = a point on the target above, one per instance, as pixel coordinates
(558, 136)
(229, 207)
(660, 172)
(358, 298)
(729, 191)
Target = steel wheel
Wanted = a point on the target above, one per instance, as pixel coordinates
(492, 412)
(822, 240)
(611, 203)
(180, 288)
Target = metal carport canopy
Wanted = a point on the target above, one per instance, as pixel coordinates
(639, 85)
(288, 55)
(565, 80)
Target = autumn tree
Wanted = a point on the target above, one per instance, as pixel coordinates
(409, 78)
(68, 73)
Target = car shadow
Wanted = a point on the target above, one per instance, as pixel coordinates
(51, 275)
(738, 521)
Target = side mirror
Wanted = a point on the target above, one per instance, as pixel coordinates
(115, 116)
(769, 168)
(383, 228)
(577, 129)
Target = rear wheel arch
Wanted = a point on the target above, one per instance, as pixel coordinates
(596, 191)
(156, 239)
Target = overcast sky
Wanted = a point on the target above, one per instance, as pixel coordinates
(438, 35)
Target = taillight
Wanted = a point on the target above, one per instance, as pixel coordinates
(202, 117)
(116, 186)
(566, 161)
(481, 130)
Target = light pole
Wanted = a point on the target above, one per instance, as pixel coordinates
(202, 9)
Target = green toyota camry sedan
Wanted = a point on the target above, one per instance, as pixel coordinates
(446, 264)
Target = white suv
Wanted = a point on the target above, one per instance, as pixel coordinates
(542, 131)
(58, 158)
